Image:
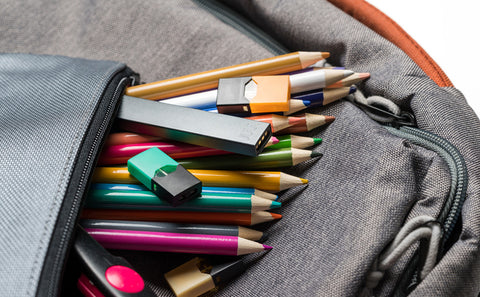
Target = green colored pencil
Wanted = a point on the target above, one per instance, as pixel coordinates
(147, 200)
(267, 159)
(294, 141)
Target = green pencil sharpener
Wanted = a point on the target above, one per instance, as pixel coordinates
(164, 176)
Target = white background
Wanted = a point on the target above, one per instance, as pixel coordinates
(449, 31)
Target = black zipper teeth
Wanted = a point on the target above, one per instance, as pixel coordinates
(235, 20)
(81, 184)
(453, 206)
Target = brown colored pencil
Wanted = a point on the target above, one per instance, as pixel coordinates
(240, 219)
(209, 79)
(309, 122)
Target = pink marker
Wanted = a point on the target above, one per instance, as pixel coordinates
(176, 242)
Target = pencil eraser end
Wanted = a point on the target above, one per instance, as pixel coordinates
(164, 176)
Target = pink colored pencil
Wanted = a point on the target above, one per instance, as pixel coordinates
(120, 138)
(176, 242)
(119, 154)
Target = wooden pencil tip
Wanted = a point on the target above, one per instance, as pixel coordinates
(316, 154)
(304, 181)
(309, 58)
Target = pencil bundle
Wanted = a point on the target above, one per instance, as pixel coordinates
(126, 210)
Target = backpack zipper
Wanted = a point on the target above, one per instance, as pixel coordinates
(239, 22)
(452, 208)
(100, 125)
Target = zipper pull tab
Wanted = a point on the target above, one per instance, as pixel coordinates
(382, 110)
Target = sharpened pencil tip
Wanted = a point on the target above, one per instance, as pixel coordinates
(317, 140)
(276, 204)
(316, 154)
(364, 75)
(276, 216)
(352, 90)
(329, 119)
(304, 181)
(275, 140)
(267, 247)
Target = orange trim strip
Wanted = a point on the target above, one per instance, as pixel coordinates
(387, 28)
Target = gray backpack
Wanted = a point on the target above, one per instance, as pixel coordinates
(392, 208)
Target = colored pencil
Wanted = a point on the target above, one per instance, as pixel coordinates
(263, 180)
(317, 79)
(122, 138)
(189, 217)
(296, 105)
(176, 242)
(325, 96)
(118, 199)
(268, 159)
(277, 122)
(299, 83)
(227, 230)
(310, 122)
(198, 100)
(348, 81)
(217, 191)
(119, 154)
(209, 79)
(294, 141)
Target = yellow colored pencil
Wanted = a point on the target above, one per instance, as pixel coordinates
(263, 180)
(209, 79)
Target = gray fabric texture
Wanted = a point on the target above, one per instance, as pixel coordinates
(361, 192)
(45, 108)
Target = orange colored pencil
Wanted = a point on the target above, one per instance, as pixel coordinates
(190, 217)
(209, 79)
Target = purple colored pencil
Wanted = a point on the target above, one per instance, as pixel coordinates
(176, 242)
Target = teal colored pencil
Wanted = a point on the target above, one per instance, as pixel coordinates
(206, 191)
(147, 200)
